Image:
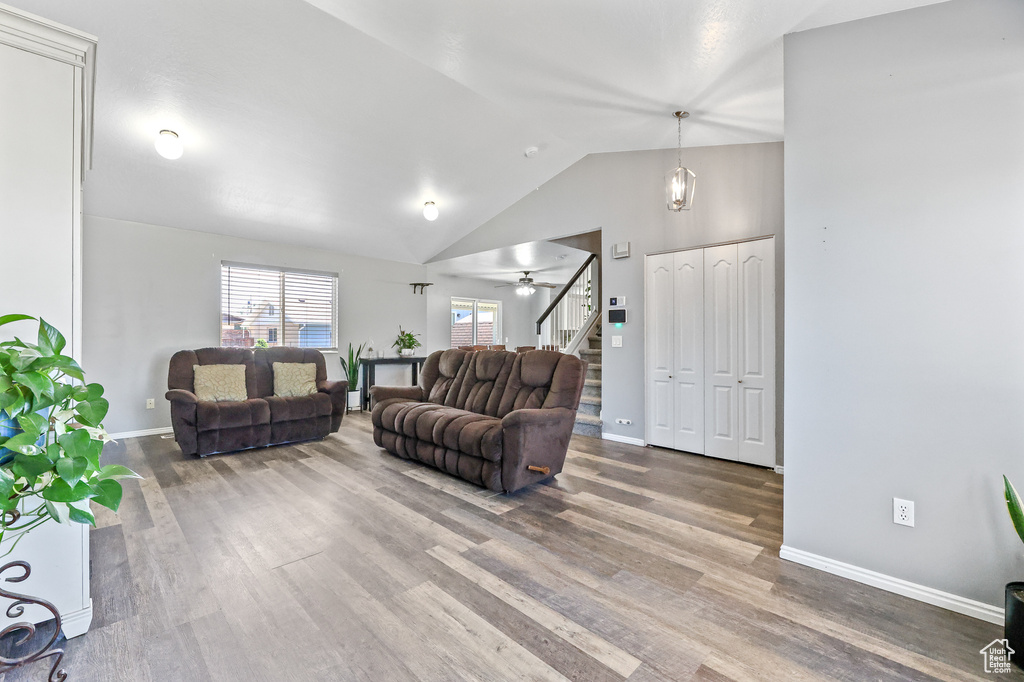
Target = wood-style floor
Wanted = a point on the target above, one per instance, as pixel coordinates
(334, 560)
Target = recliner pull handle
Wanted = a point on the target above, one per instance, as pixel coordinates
(541, 470)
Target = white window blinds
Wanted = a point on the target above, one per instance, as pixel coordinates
(266, 306)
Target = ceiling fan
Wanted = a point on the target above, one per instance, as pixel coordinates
(526, 286)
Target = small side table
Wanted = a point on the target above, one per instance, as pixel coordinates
(369, 368)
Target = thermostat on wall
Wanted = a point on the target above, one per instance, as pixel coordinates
(617, 316)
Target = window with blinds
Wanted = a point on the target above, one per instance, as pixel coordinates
(265, 306)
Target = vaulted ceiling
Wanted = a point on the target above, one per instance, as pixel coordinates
(329, 123)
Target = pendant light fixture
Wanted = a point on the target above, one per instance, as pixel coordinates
(680, 181)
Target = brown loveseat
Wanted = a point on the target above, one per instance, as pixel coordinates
(499, 419)
(207, 427)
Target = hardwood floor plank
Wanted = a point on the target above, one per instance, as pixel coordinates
(584, 640)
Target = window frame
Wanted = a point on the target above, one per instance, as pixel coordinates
(278, 307)
(476, 318)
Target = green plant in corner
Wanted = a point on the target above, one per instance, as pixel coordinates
(1013, 505)
(53, 437)
(262, 343)
(406, 340)
(351, 366)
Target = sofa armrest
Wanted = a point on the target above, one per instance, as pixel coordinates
(537, 438)
(183, 419)
(338, 392)
(180, 395)
(381, 393)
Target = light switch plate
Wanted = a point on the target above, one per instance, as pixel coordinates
(616, 342)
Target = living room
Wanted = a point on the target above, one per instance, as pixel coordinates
(890, 188)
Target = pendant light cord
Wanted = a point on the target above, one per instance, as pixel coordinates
(679, 141)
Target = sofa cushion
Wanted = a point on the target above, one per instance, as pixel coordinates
(228, 415)
(484, 381)
(220, 383)
(441, 373)
(294, 379)
(299, 407)
(264, 359)
(449, 427)
(530, 380)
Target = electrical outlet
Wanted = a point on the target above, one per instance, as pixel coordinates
(902, 512)
(150, 403)
(623, 421)
(616, 342)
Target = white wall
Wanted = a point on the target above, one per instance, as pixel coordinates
(517, 318)
(904, 333)
(150, 291)
(738, 195)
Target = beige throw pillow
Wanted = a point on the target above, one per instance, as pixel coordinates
(220, 383)
(294, 379)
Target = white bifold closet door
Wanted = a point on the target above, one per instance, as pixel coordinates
(675, 356)
(711, 351)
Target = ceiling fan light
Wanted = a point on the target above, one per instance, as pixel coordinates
(430, 211)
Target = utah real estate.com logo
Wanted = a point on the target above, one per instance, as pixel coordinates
(997, 656)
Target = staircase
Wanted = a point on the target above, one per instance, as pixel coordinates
(588, 417)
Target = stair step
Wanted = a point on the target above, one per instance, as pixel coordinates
(590, 400)
(590, 351)
(591, 382)
(588, 419)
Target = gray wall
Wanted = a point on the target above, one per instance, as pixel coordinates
(905, 245)
(738, 195)
(150, 291)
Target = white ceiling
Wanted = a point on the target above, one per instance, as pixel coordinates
(546, 261)
(329, 123)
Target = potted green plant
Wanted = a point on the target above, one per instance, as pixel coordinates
(51, 439)
(1013, 626)
(351, 369)
(406, 342)
(50, 453)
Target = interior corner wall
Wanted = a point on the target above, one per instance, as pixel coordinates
(905, 244)
(738, 196)
(150, 291)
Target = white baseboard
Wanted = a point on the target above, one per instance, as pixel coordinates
(952, 602)
(623, 439)
(778, 470)
(142, 432)
(77, 622)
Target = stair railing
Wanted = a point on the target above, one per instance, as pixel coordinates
(565, 322)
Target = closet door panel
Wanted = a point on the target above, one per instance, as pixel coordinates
(658, 321)
(720, 339)
(688, 337)
(756, 442)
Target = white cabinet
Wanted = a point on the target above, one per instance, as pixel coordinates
(45, 131)
(710, 337)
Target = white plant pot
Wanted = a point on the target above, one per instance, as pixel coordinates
(353, 400)
(407, 352)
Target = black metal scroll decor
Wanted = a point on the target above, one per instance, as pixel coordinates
(16, 609)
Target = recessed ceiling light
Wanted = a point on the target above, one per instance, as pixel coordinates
(531, 152)
(430, 211)
(168, 145)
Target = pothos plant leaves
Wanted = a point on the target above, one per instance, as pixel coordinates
(50, 469)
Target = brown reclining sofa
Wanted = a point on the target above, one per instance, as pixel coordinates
(495, 418)
(207, 427)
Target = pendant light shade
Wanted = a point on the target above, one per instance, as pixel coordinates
(680, 181)
(680, 188)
